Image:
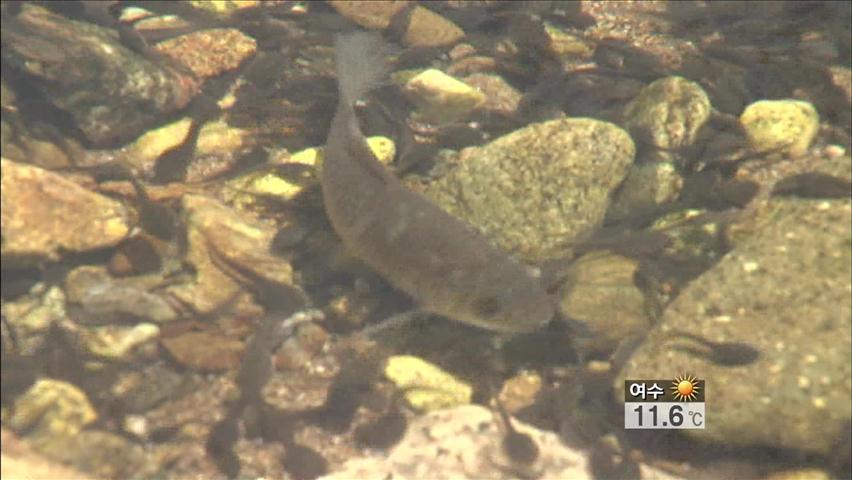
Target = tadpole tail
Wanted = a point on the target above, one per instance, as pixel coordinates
(360, 64)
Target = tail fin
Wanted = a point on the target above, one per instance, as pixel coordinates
(360, 64)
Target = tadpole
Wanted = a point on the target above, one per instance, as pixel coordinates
(729, 354)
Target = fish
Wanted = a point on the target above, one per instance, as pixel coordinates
(448, 267)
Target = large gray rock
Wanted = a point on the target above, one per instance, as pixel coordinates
(784, 291)
(538, 187)
(465, 442)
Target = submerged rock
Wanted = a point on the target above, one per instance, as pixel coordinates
(600, 292)
(467, 442)
(225, 247)
(535, 189)
(44, 214)
(781, 297)
(52, 408)
(111, 91)
(441, 98)
(668, 113)
(780, 126)
(424, 385)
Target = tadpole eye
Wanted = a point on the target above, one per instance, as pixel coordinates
(487, 306)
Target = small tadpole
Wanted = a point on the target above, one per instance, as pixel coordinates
(728, 354)
(813, 185)
(519, 447)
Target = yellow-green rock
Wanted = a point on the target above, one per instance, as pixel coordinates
(441, 98)
(783, 126)
(118, 341)
(52, 408)
(217, 137)
(288, 186)
(153, 143)
(426, 387)
(223, 6)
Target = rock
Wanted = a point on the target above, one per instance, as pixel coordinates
(298, 350)
(784, 292)
(224, 7)
(205, 351)
(535, 189)
(372, 15)
(647, 186)
(287, 184)
(425, 386)
(208, 53)
(428, 29)
(144, 388)
(500, 97)
(566, 46)
(99, 453)
(520, 391)
(600, 292)
(34, 316)
(19, 460)
(44, 214)
(422, 27)
(97, 297)
(690, 238)
(118, 342)
(804, 473)
(223, 246)
(111, 92)
(782, 126)
(441, 98)
(51, 408)
(465, 442)
(668, 113)
(215, 138)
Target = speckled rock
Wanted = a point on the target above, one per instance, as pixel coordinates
(35, 315)
(784, 291)
(538, 187)
(44, 214)
(500, 97)
(208, 53)
(465, 442)
(425, 386)
(102, 454)
(780, 125)
(691, 238)
(52, 408)
(441, 98)
(600, 291)
(647, 186)
(668, 113)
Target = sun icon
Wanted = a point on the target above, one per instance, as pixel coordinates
(684, 388)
